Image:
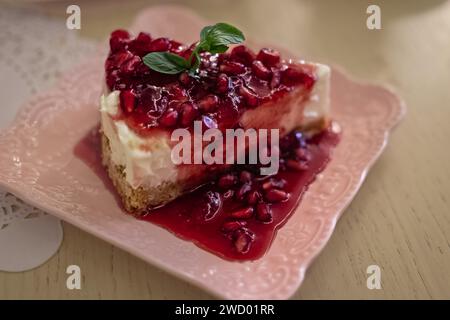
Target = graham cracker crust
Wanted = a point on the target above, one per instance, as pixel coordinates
(142, 198)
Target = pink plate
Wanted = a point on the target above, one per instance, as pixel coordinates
(37, 164)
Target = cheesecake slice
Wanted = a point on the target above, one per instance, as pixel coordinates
(141, 107)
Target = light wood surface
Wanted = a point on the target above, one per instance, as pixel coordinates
(400, 219)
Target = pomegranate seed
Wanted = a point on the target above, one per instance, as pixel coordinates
(243, 191)
(148, 100)
(205, 64)
(208, 103)
(175, 46)
(130, 65)
(260, 70)
(253, 197)
(243, 239)
(272, 183)
(188, 113)
(143, 71)
(118, 40)
(169, 118)
(208, 123)
(109, 64)
(112, 79)
(231, 67)
(231, 226)
(245, 176)
(222, 84)
(275, 195)
(300, 140)
(186, 53)
(228, 194)
(269, 57)
(250, 98)
(227, 181)
(144, 37)
(245, 213)
(223, 57)
(185, 79)
(227, 115)
(213, 204)
(178, 93)
(141, 45)
(127, 100)
(243, 55)
(296, 165)
(292, 141)
(294, 76)
(121, 57)
(117, 44)
(264, 212)
(160, 44)
(302, 154)
(120, 33)
(276, 78)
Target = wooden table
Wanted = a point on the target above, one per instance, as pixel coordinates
(400, 219)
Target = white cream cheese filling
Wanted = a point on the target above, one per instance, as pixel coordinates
(147, 162)
(318, 106)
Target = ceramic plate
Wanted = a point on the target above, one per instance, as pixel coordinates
(37, 163)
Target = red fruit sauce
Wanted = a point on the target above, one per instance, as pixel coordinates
(235, 217)
(198, 218)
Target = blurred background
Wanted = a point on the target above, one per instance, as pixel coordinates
(399, 220)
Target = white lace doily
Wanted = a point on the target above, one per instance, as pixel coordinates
(34, 51)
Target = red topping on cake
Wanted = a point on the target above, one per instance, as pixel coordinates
(224, 86)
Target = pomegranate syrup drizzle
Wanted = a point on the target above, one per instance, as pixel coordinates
(235, 217)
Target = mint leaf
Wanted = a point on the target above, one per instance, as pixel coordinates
(218, 49)
(166, 62)
(204, 32)
(214, 39)
(221, 34)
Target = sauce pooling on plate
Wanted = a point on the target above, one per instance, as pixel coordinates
(237, 215)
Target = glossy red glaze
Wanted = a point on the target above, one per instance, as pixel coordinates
(225, 85)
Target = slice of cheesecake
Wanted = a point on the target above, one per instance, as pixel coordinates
(141, 107)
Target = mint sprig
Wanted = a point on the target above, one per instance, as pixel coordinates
(214, 39)
(166, 62)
